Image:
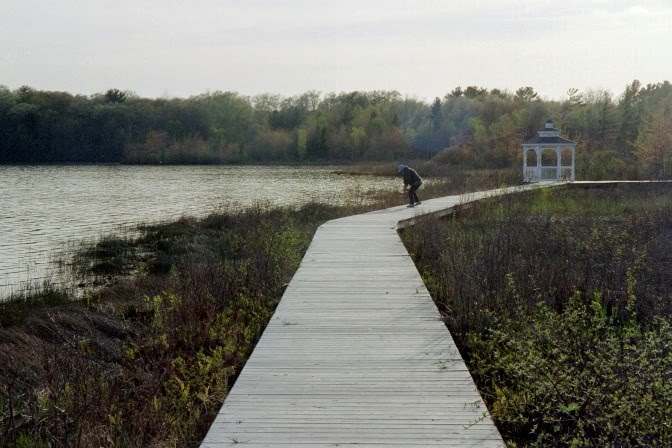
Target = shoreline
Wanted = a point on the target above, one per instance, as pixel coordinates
(124, 320)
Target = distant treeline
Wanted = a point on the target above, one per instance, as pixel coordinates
(627, 136)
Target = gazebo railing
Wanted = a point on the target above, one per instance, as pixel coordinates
(531, 174)
(549, 173)
(536, 174)
(566, 173)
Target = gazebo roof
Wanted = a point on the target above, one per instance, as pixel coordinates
(549, 136)
(548, 140)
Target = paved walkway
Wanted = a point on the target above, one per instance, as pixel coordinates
(356, 352)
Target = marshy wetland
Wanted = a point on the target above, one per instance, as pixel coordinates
(560, 301)
(558, 298)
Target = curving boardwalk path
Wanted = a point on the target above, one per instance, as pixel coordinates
(356, 352)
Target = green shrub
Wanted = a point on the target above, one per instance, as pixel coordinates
(560, 302)
(580, 377)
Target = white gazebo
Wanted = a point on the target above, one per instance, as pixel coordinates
(545, 167)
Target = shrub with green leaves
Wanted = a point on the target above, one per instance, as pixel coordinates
(560, 301)
(580, 377)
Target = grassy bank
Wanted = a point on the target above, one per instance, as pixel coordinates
(149, 361)
(560, 302)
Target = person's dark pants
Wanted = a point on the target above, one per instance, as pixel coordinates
(412, 195)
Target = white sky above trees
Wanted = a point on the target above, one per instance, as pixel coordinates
(421, 48)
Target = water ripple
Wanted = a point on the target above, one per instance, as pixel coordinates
(45, 209)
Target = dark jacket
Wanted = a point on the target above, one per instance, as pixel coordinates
(411, 177)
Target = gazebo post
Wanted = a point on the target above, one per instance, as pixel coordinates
(558, 162)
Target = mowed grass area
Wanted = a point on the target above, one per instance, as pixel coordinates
(561, 303)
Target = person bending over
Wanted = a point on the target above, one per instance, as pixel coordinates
(412, 181)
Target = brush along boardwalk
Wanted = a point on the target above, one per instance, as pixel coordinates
(356, 352)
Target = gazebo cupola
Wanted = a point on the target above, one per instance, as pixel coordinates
(551, 156)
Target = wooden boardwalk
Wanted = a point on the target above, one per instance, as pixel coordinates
(356, 352)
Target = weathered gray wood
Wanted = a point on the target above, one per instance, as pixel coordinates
(356, 352)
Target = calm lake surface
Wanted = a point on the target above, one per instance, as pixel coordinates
(47, 210)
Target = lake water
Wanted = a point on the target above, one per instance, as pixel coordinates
(46, 209)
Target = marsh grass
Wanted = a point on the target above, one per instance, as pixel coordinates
(432, 169)
(559, 300)
(454, 182)
(149, 360)
(110, 255)
(15, 308)
(147, 356)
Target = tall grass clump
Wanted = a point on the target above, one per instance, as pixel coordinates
(110, 255)
(17, 307)
(149, 361)
(560, 301)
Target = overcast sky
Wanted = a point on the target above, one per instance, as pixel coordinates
(420, 48)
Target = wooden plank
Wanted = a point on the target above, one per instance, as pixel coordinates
(356, 352)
